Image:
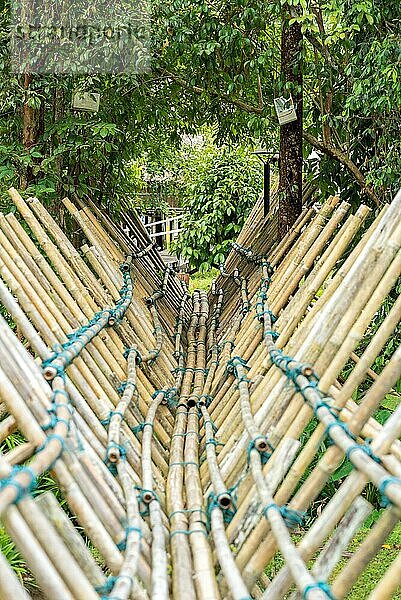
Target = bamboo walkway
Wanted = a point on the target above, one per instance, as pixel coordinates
(186, 432)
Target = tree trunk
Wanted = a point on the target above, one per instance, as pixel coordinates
(32, 127)
(290, 183)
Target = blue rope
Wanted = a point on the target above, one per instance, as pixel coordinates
(107, 420)
(274, 334)
(121, 388)
(138, 357)
(187, 510)
(292, 518)
(79, 338)
(365, 447)
(264, 454)
(52, 423)
(213, 442)
(107, 587)
(10, 481)
(141, 427)
(123, 544)
(111, 465)
(385, 500)
(320, 585)
(232, 364)
(343, 426)
(213, 502)
(142, 491)
(187, 532)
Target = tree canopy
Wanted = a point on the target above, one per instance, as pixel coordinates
(217, 62)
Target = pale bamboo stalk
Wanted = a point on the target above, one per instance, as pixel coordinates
(69, 252)
(46, 575)
(299, 571)
(205, 580)
(135, 423)
(230, 570)
(117, 415)
(20, 453)
(125, 578)
(160, 587)
(319, 332)
(183, 585)
(180, 552)
(7, 425)
(74, 496)
(331, 554)
(365, 553)
(260, 441)
(74, 542)
(334, 510)
(10, 584)
(68, 568)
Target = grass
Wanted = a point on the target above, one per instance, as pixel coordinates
(202, 281)
(370, 576)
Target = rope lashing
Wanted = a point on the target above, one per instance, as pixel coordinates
(213, 502)
(385, 500)
(248, 253)
(143, 252)
(64, 354)
(145, 497)
(187, 511)
(122, 387)
(138, 428)
(21, 490)
(138, 357)
(172, 398)
(322, 403)
(292, 368)
(318, 585)
(185, 434)
(52, 423)
(270, 332)
(107, 420)
(264, 454)
(123, 544)
(213, 442)
(292, 517)
(109, 584)
(213, 424)
(261, 312)
(343, 426)
(232, 365)
(187, 532)
(208, 400)
(366, 448)
(50, 438)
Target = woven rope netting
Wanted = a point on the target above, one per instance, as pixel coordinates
(191, 435)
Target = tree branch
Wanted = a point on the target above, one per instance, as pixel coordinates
(235, 101)
(345, 160)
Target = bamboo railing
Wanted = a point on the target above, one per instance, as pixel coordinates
(185, 432)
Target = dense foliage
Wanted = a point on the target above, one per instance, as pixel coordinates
(218, 63)
(219, 186)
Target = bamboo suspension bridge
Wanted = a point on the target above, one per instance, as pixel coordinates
(174, 424)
